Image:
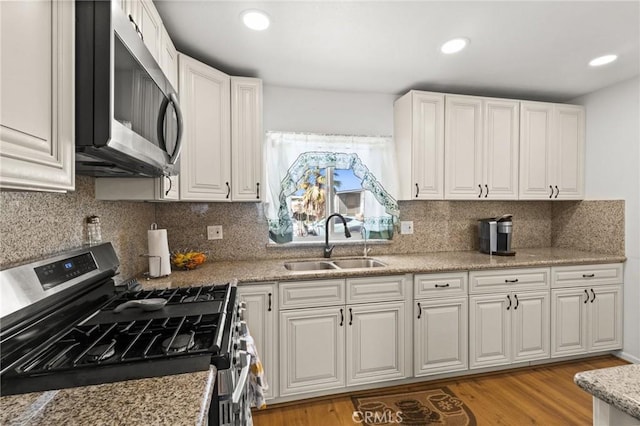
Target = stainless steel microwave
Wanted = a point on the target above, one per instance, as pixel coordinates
(128, 119)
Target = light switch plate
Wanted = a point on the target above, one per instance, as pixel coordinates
(214, 232)
(406, 227)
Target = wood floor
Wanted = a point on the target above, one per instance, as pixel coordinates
(544, 395)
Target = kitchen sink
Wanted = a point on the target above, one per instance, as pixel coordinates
(358, 263)
(319, 265)
(309, 266)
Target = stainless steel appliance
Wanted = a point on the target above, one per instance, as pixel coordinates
(64, 324)
(494, 235)
(128, 120)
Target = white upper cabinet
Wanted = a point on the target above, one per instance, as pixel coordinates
(481, 148)
(37, 105)
(419, 139)
(205, 165)
(463, 147)
(148, 23)
(169, 58)
(246, 139)
(551, 151)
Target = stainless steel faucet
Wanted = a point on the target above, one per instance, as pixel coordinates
(328, 249)
(366, 250)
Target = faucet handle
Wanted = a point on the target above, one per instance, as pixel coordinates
(327, 251)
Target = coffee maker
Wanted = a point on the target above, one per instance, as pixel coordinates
(494, 235)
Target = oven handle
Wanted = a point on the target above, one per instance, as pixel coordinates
(242, 380)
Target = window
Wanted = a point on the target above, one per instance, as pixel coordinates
(306, 186)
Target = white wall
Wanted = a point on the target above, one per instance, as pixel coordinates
(331, 112)
(613, 172)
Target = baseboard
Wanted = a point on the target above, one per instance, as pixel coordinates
(627, 357)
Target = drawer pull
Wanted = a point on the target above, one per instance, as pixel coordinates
(509, 299)
(511, 281)
(419, 311)
(587, 294)
(594, 295)
(588, 275)
(442, 285)
(341, 317)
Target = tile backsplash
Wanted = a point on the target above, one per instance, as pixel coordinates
(37, 224)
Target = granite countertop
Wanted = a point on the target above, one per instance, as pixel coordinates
(181, 399)
(618, 386)
(273, 269)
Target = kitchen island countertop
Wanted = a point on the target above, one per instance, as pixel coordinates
(248, 271)
(617, 386)
(181, 399)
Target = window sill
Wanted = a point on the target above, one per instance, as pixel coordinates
(305, 244)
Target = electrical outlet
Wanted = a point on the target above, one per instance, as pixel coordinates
(406, 227)
(214, 232)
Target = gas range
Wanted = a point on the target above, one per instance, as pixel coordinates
(62, 326)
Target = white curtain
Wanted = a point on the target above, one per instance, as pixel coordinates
(371, 158)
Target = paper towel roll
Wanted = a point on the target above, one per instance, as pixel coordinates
(159, 261)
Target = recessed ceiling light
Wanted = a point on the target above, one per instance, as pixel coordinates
(455, 45)
(255, 19)
(603, 60)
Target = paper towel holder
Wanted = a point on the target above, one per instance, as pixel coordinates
(159, 259)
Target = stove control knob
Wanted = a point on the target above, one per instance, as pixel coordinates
(243, 328)
(241, 312)
(240, 344)
(242, 305)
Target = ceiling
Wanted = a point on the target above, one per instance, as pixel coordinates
(533, 50)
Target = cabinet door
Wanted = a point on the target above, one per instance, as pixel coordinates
(569, 321)
(605, 318)
(427, 159)
(37, 103)
(500, 149)
(376, 342)
(536, 150)
(205, 173)
(312, 350)
(463, 148)
(261, 319)
(489, 330)
(169, 58)
(440, 336)
(149, 23)
(530, 325)
(569, 152)
(246, 139)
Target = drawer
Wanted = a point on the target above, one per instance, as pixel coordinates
(306, 294)
(376, 289)
(509, 280)
(580, 275)
(437, 285)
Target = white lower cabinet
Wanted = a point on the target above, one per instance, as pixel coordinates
(508, 316)
(261, 316)
(586, 309)
(312, 350)
(440, 336)
(586, 319)
(330, 347)
(376, 342)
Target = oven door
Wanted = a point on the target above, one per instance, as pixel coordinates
(230, 403)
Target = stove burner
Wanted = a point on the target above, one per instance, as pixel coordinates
(200, 298)
(100, 353)
(181, 343)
